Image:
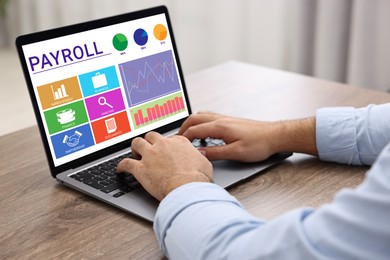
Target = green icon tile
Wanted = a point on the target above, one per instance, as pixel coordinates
(66, 117)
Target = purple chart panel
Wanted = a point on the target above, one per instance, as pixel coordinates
(149, 78)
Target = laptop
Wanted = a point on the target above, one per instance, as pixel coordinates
(97, 85)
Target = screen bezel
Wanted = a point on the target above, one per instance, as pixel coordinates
(81, 27)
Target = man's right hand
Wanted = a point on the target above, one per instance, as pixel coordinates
(248, 140)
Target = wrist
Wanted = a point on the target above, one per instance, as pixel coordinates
(295, 136)
(183, 179)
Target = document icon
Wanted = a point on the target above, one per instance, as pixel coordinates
(99, 80)
(110, 125)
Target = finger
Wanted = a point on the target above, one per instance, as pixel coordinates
(139, 145)
(203, 131)
(180, 137)
(196, 119)
(203, 152)
(152, 137)
(184, 142)
(136, 155)
(215, 114)
(224, 152)
(128, 165)
(209, 112)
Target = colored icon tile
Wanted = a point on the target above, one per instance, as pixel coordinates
(65, 117)
(105, 104)
(99, 81)
(110, 127)
(59, 92)
(73, 140)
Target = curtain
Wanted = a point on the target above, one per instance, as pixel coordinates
(340, 40)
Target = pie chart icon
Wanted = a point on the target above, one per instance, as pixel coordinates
(141, 37)
(120, 42)
(160, 32)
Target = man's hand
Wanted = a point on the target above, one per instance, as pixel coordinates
(249, 140)
(165, 163)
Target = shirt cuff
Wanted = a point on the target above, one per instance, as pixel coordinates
(183, 197)
(336, 135)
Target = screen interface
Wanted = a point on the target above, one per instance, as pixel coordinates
(103, 86)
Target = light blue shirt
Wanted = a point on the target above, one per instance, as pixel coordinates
(203, 221)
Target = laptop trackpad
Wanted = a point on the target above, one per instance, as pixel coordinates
(227, 173)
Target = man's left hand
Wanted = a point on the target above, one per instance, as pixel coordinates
(165, 163)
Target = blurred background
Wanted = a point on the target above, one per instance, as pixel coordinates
(340, 40)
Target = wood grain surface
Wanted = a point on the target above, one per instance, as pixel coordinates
(41, 219)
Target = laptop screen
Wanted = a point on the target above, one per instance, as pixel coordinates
(100, 87)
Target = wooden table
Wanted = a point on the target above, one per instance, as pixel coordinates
(41, 219)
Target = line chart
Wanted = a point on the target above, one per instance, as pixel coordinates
(149, 78)
(142, 84)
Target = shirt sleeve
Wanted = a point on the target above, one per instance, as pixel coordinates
(202, 221)
(352, 136)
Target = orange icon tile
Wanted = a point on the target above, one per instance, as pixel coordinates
(59, 92)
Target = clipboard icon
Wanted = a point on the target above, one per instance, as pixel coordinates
(110, 125)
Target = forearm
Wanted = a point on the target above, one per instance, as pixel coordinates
(352, 136)
(202, 221)
(295, 136)
(343, 134)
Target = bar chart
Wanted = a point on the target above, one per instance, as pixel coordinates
(59, 93)
(157, 110)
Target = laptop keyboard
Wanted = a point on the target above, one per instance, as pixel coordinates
(103, 176)
(208, 142)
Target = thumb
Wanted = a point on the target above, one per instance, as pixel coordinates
(214, 153)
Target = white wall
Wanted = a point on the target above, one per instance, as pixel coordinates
(340, 40)
(207, 32)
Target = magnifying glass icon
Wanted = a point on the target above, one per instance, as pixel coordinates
(103, 102)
